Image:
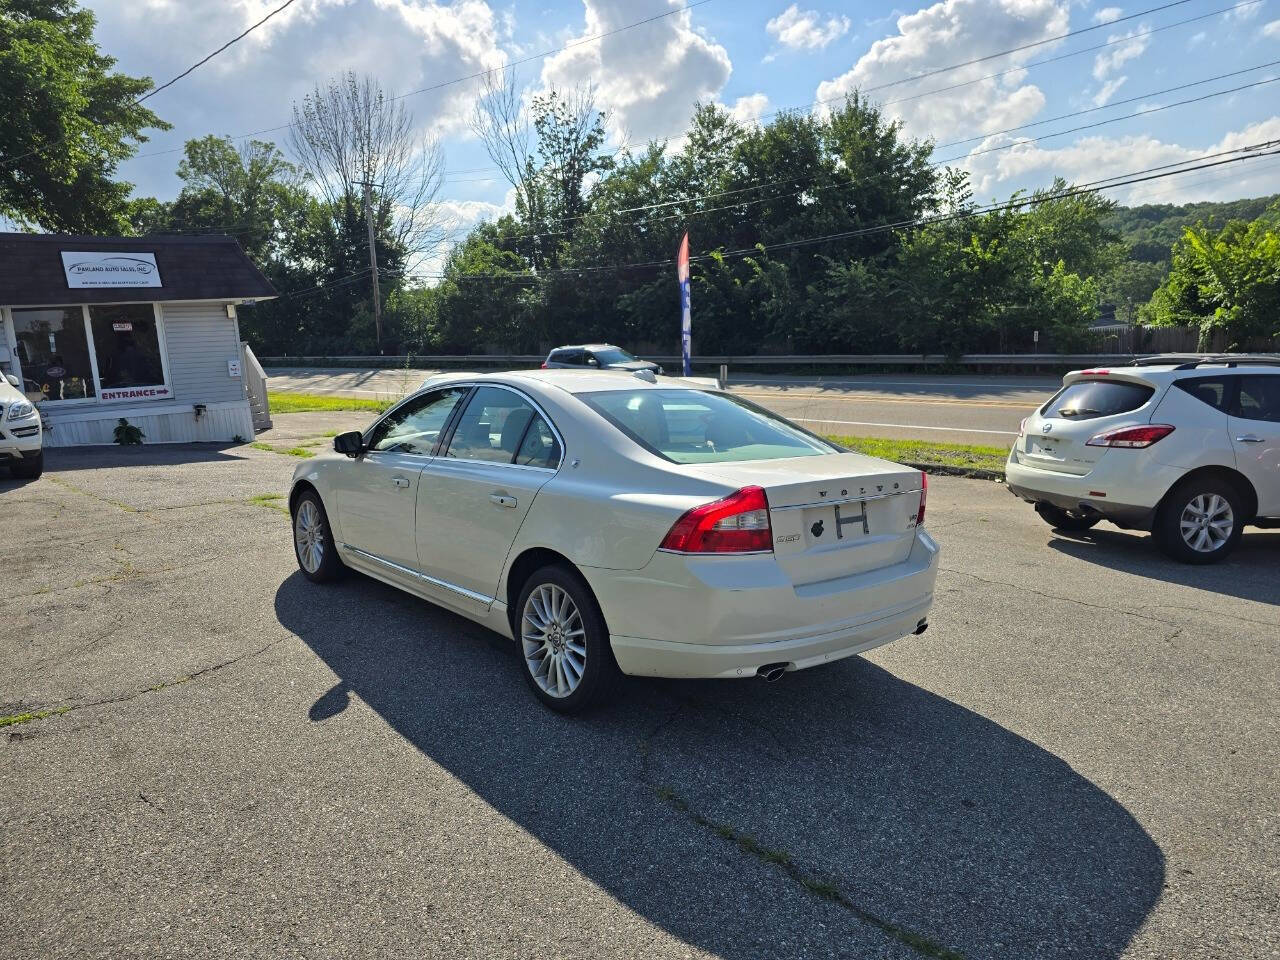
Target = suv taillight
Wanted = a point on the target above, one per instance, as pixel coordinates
(737, 524)
(924, 495)
(1133, 437)
(544, 365)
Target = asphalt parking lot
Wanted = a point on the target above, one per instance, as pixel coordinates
(1078, 759)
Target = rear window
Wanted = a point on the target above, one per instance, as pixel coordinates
(695, 426)
(1211, 390)
(1089, 399)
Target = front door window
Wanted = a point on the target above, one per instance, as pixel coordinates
(53, 349)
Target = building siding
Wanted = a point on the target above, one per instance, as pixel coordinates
(159, 422)
(200, 338)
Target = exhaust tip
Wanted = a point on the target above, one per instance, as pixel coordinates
(771, 672)
(921, 627)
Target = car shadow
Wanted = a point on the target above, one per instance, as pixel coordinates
(1249, 573)
(751, 819)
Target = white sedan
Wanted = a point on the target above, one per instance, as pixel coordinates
(621, 522)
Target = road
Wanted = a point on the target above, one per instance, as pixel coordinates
(964, 409)
(1078, 759)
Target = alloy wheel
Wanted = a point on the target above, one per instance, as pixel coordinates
(554, 640)
(1207, 522)
(308, 534)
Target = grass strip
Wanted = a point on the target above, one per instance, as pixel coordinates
(279, 402)
(963, 458)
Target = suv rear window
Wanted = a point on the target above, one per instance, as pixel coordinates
(696, 426)
(1090, 399)
(1211, 390)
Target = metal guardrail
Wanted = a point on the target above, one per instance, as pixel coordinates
(746, 360)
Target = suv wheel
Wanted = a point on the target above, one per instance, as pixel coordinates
(1061, 519)
(28, 468)
(1200, 521)
(564, 644)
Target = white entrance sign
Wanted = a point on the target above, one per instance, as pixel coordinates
(122, 269)
(135, 393)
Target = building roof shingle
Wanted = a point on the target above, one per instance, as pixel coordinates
(191, 268)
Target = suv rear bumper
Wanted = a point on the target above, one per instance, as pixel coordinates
(1105, 491)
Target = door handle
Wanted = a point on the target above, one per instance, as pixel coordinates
(502, 500)
(400, 481)
(1249, 438)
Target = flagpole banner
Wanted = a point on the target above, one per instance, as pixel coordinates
(686, 322)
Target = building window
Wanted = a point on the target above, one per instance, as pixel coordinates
(127, 347)
(53, 349)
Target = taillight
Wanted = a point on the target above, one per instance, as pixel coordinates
(1022, 427)
(1137, 437)
(924, 495)
(1095, 373)
(737, 524)
(544, 364)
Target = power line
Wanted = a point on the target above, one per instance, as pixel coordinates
(201, 63)
(810, 177)
(1162, 171)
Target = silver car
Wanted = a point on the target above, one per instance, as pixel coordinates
(617, 522)
(596, 356)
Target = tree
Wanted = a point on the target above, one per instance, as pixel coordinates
(349, 133)
(67, 120)
(1225, 281)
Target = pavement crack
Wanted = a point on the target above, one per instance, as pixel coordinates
(1056, 596)
(20, 718)
(816, 886)
(151, 803)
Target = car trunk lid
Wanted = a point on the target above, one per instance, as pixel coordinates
(833, 515)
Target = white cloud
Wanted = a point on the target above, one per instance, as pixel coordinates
(748, 110)
(407, 44)
(1115, 57)
(953, 31)
(1242, 14)
(648, 77)
(1196, 40)
(1094, 158)
(1108, 91)
(798, 29)
(1271, 29)
(1107, 15)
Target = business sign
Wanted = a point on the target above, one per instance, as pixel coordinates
(135, 393)
(88, 270)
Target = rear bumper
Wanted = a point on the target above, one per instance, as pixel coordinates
(1125, 490)
(727, 616)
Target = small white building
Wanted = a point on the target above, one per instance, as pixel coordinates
(99, 328)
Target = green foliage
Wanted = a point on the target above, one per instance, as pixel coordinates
(127, 435)
(1225, 280)
(67, 122)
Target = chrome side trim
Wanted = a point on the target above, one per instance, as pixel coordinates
(832, 503)
(416, 575)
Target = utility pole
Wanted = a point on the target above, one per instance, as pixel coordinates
(373, 263)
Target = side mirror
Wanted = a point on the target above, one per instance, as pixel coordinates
(352, 444)
(14, 381)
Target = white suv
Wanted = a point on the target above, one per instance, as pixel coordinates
(1186, 447)
(20, 435)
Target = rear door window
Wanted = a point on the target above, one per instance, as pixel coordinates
(1259, 398)
(1090, 399)
(1214, 391)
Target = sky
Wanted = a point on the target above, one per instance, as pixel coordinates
(754, 57)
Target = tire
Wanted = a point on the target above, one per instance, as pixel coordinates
(28, 468)
(313, 545)
(555, 642)
(1060, 519)
(1200, 521)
